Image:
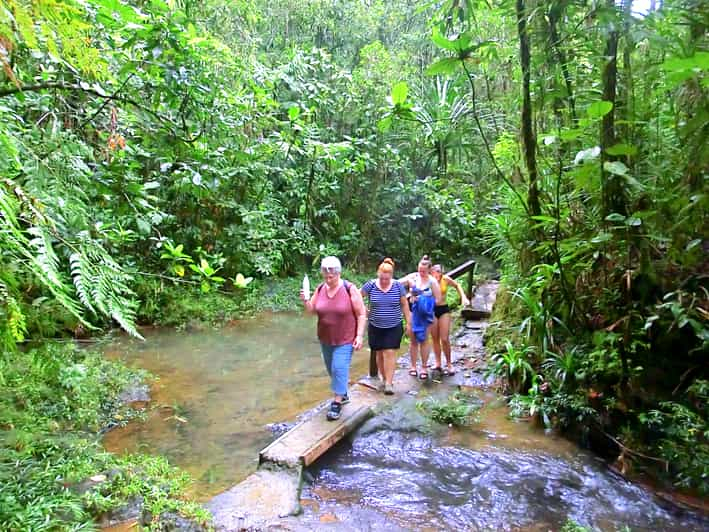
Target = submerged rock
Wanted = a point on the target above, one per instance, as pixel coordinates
(136, 392)
(172, 522)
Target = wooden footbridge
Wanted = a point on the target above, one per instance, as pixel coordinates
(273, 491)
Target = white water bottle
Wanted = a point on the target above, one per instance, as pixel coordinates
(306, 287)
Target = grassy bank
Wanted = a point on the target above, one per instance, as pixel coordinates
(178, 304)
(54, 473)
(657, 422)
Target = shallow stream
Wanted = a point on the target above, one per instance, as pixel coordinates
(218, 390)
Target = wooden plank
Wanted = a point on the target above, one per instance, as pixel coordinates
(309, 439)
(348, 425)
(460, 270)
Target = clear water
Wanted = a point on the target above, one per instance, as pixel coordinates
(217, 391)
(495, 475)
(219, 388)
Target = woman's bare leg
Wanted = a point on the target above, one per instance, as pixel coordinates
(380, 363)
(444, 329)
(425, 351)
(412, 350)
(388, 365)
(436, 339)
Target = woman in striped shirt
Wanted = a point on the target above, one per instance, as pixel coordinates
(387, 302)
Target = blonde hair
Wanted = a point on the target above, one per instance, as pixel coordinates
(386, 266)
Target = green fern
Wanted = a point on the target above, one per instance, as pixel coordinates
(28, 240)
(102, 285)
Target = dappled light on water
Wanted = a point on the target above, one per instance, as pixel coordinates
(218, 390)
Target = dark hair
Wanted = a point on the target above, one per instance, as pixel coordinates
(426, 261)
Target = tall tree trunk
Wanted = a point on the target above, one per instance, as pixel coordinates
(555, 12)
(612, 186)
(528, 139)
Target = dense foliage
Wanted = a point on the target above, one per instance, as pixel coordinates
(155, 151)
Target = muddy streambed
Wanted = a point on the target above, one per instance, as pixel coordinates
(218, 390)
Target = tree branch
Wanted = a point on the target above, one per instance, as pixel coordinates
(58, 85)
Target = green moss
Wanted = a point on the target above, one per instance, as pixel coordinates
(507, 313)
(55, 401)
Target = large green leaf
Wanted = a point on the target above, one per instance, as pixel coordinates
(399, 92)
(622, 149)
(442, 42)
(615, 167)
(599, 109)
(443, 67)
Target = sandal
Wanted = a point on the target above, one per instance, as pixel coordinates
(423, 375)
(413, 372)
(448, 372)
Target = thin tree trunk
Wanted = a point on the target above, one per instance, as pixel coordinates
(554, 15)
(528, 139)
(612, 187)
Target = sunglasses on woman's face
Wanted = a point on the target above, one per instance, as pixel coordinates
(330, 270)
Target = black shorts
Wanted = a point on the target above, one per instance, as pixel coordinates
(440, 310)
(385, 338)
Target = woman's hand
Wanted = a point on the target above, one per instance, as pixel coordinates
(465, 301)
(358, 342)
(302, 296)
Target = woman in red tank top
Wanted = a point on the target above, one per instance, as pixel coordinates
(341, 320)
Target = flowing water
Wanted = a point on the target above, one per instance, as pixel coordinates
(219, 389)
(494, 475)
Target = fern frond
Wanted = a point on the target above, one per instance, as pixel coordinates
(103, 285)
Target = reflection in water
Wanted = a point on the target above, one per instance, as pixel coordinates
(498, 475)
(218, 389)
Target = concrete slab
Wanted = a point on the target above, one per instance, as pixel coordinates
(264, 497)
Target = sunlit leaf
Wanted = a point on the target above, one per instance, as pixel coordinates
(615, 167)
(442, 42)
(399, 92)
(599, 109)
(443, 67)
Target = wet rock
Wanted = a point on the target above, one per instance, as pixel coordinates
(195, 326)
(99, 479)
(258, 502)
(136, 392)
(279, 429)
(172, 522)
(132, 510)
